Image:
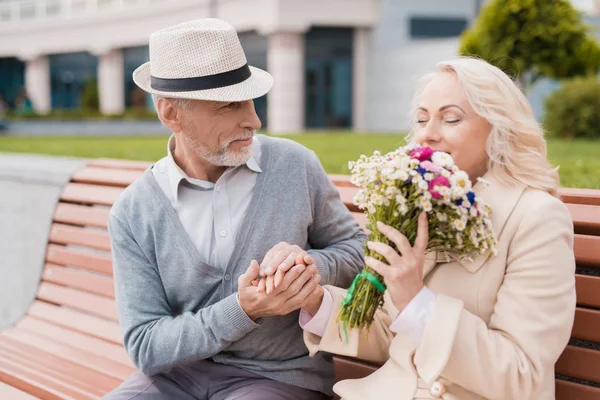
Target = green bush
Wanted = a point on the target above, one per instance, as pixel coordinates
(573, 111)
(533, 39)
(90, 99)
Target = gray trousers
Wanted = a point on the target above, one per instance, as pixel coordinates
(206, 380)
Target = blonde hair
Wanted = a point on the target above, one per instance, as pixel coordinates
(516, 147)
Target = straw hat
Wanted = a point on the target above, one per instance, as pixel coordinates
(200, 60)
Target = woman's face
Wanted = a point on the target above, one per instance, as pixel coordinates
(446, 122)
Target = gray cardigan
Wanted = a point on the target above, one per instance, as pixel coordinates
(175, 309)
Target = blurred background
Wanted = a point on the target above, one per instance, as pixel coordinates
(344, 70)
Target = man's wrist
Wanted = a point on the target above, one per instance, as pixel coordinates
(246, 309)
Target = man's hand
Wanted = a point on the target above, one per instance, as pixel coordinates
(297, 284)
(278, 261)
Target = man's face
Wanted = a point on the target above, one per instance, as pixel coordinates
(219, 132)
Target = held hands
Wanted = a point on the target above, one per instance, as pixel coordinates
(277, 262)
(293, 291)
(404, 274)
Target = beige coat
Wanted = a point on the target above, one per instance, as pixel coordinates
(499, 323)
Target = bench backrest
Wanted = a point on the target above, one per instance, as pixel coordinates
(76, 284)
(77, 279)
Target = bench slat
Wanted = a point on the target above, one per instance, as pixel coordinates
(82, 378)
(82, 215)
(341, 180)
(71, 257)
(120, 164)
(87, 302)
(588, 290)
(83, 358)
(580, 363)
(79, 279)
(573, 391)
(9, 392)
(36, 382)
(350, 368)
(580, 196)
(106, 176)
(65, 234)
(90, 194)
(76, 340)
(586, 218)
(71, 319)
(347, 195)
(587, 325)
(587, 251)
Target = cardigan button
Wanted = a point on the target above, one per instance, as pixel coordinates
(437, 389)
(227, 277)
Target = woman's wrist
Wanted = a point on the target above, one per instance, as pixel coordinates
(313, 301)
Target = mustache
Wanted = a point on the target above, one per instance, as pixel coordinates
(247, 135)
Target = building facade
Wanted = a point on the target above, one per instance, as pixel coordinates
(344, 64)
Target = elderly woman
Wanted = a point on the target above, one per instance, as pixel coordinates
(492, 328)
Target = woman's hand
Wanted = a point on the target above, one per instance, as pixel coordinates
(404, 274)
(277, 262)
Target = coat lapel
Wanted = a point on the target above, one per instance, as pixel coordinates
(433, 258)
(502, 199)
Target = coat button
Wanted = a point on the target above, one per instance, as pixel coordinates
(227, 277)
(437, 389)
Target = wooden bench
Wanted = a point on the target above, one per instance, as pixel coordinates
(69, 345)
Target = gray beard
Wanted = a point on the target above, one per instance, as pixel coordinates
(226, 158)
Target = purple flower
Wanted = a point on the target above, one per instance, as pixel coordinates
(430, 167)
(422, 154)
(438, 181)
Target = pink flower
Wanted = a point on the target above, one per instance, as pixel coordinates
(430, 167)
(438, 181)
(422, 154)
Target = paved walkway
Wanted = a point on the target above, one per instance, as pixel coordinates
(84, 128)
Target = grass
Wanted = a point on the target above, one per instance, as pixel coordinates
(579, 160)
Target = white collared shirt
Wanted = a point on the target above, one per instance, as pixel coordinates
(211, 213)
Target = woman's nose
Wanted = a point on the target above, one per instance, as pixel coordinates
(430, 132)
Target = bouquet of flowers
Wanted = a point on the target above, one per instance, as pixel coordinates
(394, 189)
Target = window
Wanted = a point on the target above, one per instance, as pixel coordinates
(427, 28)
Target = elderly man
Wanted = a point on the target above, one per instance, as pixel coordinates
(188, 235)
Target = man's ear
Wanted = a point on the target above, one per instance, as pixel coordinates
(169, 114)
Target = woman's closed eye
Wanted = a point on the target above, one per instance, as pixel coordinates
(452, 121)
(451, 118)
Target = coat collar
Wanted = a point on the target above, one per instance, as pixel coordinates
(502, 199)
